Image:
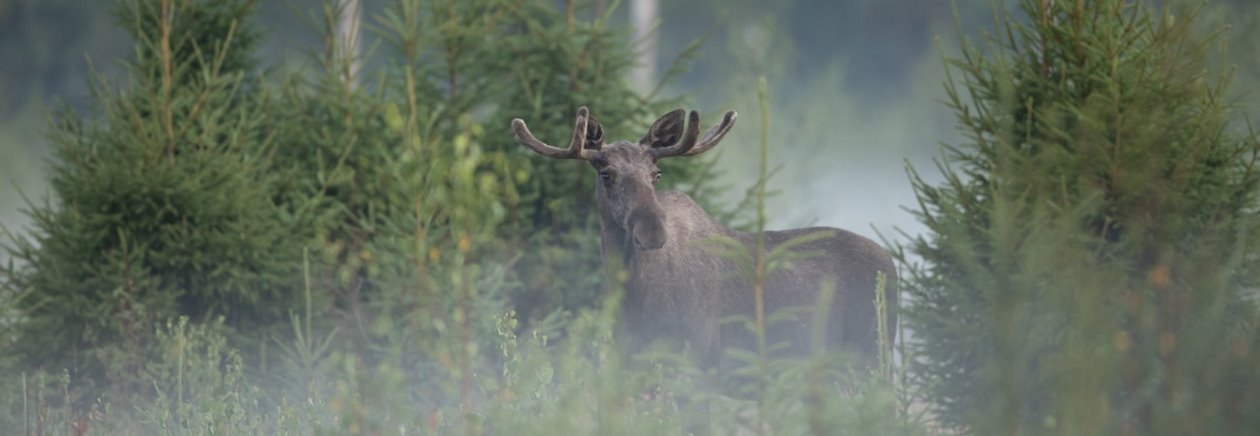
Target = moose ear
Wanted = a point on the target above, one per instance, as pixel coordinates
(665, 131)
(594, 134)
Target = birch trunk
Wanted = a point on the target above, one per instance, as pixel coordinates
(347, 51)
(644, 14)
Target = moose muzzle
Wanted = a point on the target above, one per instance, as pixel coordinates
(647, 227)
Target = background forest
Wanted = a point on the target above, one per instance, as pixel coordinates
(235, 217)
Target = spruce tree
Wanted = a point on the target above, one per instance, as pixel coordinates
(164, 200)
(1088, 250)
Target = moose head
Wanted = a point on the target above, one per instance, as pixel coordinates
(627, 170)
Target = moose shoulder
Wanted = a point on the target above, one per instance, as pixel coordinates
(678, 287)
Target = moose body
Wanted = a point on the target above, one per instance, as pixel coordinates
(678, 287)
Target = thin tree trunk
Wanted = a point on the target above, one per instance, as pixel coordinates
(644, 14)
(348, 24)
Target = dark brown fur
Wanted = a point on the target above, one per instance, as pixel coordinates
(678, 288)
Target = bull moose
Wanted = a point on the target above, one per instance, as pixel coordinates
(677, 286)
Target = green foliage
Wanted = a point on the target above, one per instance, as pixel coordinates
(178, 40)
(48, 53)
(199, 382)
(164, 205)
(539, 384)
(1093, 239)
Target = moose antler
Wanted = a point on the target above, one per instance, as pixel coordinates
(712, 136)
(687, 141)
(688, 145)
(576, 148)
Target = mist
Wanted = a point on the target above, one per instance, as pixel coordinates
(856, 94)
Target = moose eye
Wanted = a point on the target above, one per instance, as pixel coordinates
(605, 175)
(658, 175)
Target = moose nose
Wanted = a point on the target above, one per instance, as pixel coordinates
(647, 229)
(648, 241)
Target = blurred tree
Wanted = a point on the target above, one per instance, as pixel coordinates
(1089, 248)
(1239, 23)
(43, 45)
(644, 16)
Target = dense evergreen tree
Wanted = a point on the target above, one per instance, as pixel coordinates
(1091, 244)
(164, 199)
